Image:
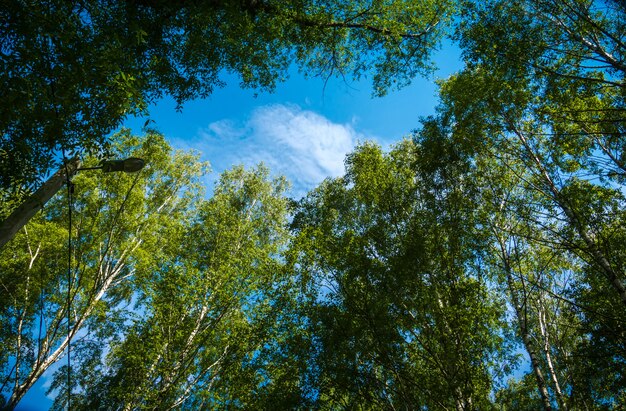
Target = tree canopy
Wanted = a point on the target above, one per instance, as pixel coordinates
(477, 264)
(71, 72)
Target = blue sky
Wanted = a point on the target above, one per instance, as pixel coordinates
(302, 130)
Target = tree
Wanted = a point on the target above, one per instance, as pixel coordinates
(531, 106)
(205, 312)
(535, 274)
(117, 223)
(400, 313)
(71, 72)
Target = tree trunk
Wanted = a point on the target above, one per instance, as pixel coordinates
(522, 321)
(543, 327)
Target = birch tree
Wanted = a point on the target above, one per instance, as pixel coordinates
(205, 311)
(55, 299)
(541, 98)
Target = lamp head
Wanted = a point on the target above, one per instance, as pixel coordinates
(129, 165)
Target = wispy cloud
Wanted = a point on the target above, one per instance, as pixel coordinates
(304, 146)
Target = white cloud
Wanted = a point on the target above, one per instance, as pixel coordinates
(304, 146)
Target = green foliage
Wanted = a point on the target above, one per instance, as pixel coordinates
(72, 72)
(205, 308)
(402, 316)
(118, 222)
(414, 281)
(519, 395)
(539, 111)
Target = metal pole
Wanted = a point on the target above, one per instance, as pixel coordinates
(20, 216)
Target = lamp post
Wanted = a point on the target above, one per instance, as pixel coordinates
(21, 215)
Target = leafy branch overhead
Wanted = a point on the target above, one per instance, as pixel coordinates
(73, 71)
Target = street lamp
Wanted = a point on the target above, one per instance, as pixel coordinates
(21, 215)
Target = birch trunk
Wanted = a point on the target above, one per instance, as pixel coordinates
(45, 358)
(522, 321)
(543, 327)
